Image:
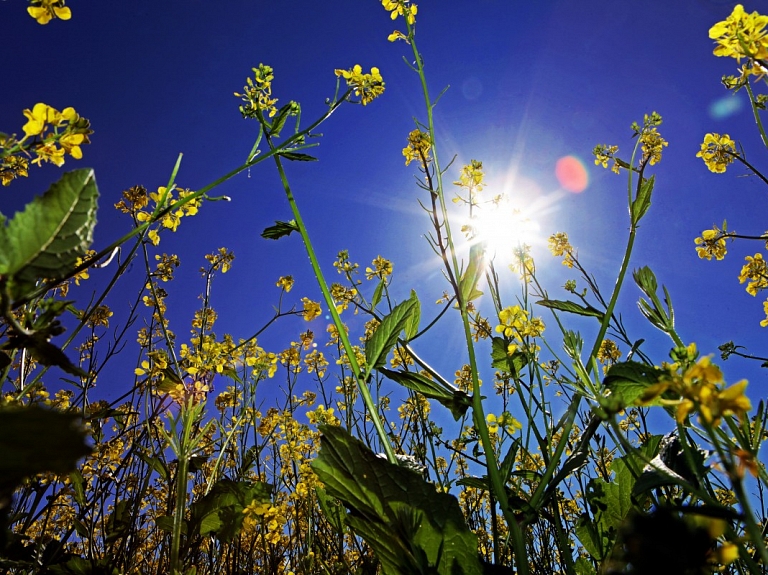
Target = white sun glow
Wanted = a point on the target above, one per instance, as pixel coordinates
(504, 230)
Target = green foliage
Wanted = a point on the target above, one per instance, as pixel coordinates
(410, 526)
(45, 240)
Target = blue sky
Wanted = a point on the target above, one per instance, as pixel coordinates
(530, 83)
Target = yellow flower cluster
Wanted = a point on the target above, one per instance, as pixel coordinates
(505, 422)
(311, 309)
(651, 141)
(418, 148)
(258, 93)
(401, 8)
(560, 246)
(700, 388)
(470, 178)
(515, 324)
(711, 244)
(717, 152)
(741, 35)
(382, 268)
(755, 271)
(46, 10)
(163, 200)
(50, 134)
(603, 154)
(285, 283)
(367, 87)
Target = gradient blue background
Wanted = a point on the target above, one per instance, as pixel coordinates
(530, 82)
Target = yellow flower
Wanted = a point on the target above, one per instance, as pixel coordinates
(401, 8)
(45, 10)
(560, 246)
(38, 117)
(418, 147)
(756, 271)
(285, 283)
(741, 35)
(311, 309)
(717, 152)
(367, 86)
(381, 268)
(712, 244)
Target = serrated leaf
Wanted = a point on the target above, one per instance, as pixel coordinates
(297, 157)
(473, 273)
(572, 307)
(45, 240)
(411, 527)
(385, 337)
(34, 440)
(279, 230)
(628, 380)
(453, 398)
(642, 202)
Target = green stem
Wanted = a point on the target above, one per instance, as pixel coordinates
(343, 337)
(756, 114)
(478, 416)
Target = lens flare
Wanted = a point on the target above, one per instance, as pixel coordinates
(571, 174)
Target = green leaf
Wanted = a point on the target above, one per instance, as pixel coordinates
(448, 396)
(45, 240)
(279, 230)
(500, 358)
(44, 351)
(34, 440)
(78, 484)
(332, 509)
(628, 380)
(411, 527)
(412, 325)
(119, 521)
(572, 307)
(280, 118)
(296, 156)
(377, 293)
(385, 337)
(220, 512)
(473, 273)
(642, 202)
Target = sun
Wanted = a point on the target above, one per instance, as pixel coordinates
(504, 229)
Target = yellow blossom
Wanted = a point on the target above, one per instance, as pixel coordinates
(717, 152)
(418, 147)
(741, 35)
(756, 271)
(46, 10)
(711, 244)
(311, 309)
(367, 86)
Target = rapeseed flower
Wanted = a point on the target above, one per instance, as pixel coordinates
(717, 152)
(367, 86)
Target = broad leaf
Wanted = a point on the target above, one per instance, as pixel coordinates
(45, 240)
(412, 325)
(500, 358)
(220, 512)
(385, 337)
(628, 380)
(448, 396)
(411, 527)
(642, 202)
(473, 273)
(34, 440)
(377, 293)
(279, 230)
(572, 307)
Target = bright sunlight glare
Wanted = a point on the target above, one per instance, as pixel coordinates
(504, 229)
